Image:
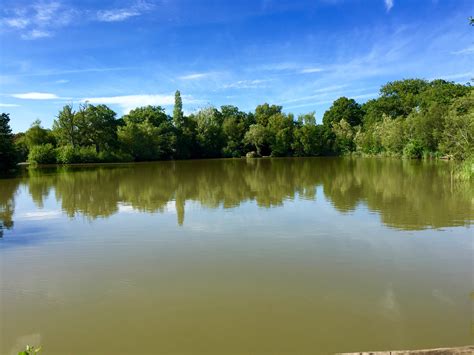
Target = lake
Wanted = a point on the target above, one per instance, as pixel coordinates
(238, 256)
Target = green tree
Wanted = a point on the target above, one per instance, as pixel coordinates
(235, 124)
(258, 137)
(97, 126)
(65, 127)
(458, 134)
(264, 112)
(345, 134)
(37, 135)
(7, 148)
(209, 134)
(343, 109)
(147, 134)
(280, 128)
(178, 115)
(308, 137)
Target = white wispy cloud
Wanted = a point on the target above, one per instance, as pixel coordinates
(388, 4)
(194, 76)
(42, 18)
(121, 14)
(38, 19)
(466, 50)
(129, 102)
(116, 15)
(311, 70)
(8, 105)
(17, 22)
(35, 96)
(35, 34)
(246, 84)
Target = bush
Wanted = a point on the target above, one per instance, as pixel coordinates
(66, 154)
(465, 170)
(114, 157)
(42, 154)
(413, 150)
(86, 155)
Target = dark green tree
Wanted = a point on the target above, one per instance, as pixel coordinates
(37, 135)
(97, 127)
(65, 127)
(178, 116)
(148, 134)
(343, 109)
(7, 148)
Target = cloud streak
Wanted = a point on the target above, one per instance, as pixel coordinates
(122, 14)
(194, 76)
(41, 19)
(35, 96)
(388, 4)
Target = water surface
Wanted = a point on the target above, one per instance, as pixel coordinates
(261, 256)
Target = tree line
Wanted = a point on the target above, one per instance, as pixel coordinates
(411, 118)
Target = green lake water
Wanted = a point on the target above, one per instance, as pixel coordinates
(258, 256)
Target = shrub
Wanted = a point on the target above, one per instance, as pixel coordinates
(42, 154)
(86, 155)
(413, 150)
(66, 154)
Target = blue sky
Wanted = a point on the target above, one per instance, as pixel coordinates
(299, 54)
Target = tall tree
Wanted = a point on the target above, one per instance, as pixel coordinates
(65, 127)
(178, 115)
(7, 148)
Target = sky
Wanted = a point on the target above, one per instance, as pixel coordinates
(299, 54)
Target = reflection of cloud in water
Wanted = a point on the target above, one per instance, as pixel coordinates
(389, 305)
(39, 215)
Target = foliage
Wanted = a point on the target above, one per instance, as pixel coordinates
(178, 116)
(8, 155)
(42, 154)
(258, 137)
(343, 109)
(30, 350)
(37, 135)
(413, 150)
(210, 137)
(413, 118)
(458, 132)
(147, 134)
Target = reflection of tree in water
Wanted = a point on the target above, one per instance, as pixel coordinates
(7, 203)
(407, 194)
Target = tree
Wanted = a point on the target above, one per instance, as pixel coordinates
(178, 110)
(37, 135)
(65, 127)
(235, 124)
(209, 133)
(97, 127)
(147, 134)
(258, 136)
(280, 128)
(7, 148)
(343, 109)
(345, 134)
(264, 112)
(458, 134)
